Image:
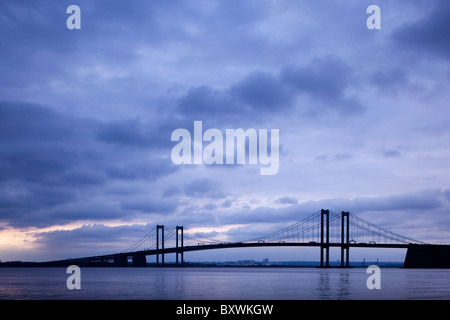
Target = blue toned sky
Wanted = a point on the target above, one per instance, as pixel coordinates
(86, 118)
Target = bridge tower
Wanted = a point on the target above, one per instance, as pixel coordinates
(325, 238)
(158, 228)
(178, 250)
(345, 238)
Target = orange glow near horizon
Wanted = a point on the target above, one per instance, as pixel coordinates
(25, 238)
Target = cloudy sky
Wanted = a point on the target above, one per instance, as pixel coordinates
(86, 118)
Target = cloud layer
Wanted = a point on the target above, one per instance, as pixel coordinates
(86, 117)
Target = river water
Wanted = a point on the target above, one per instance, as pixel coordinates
(223, 284)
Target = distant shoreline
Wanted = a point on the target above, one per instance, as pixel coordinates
(231, 264)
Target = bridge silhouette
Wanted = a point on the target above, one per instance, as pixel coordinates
(323, 229)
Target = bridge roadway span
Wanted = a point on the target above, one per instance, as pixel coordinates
(124, 255)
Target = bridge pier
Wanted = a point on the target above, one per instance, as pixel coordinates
(178, 250)
(120, 260)
(158, 228)
(325, 238)
(139, 260)
(345, 239)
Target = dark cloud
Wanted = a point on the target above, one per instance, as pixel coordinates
(260, 95)
(392, 153)
(22, 121)
(227, 203)
(100, 238)
(421, 200)
(205, 101)
(257, 94)
(210, 206)
(147, 168)
(171, 191)
(197, 188)
(128, 132)
(389, 80)
(447, 194)
(30, 32)
(133, 133)
(428, 35)
(16, 196)
(326, 81)
(286, 200)
(52, 163)
(37, 143)
(204, 188)
(87, 208)
(333, 157)
(262, 92)
(148, 205)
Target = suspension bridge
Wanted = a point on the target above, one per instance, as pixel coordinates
(323, 229)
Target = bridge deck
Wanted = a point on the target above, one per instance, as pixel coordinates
(201, 247)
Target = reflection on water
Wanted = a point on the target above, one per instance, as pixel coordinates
(344, 285)
(323, 286)
(224, 284)
(327, 290)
